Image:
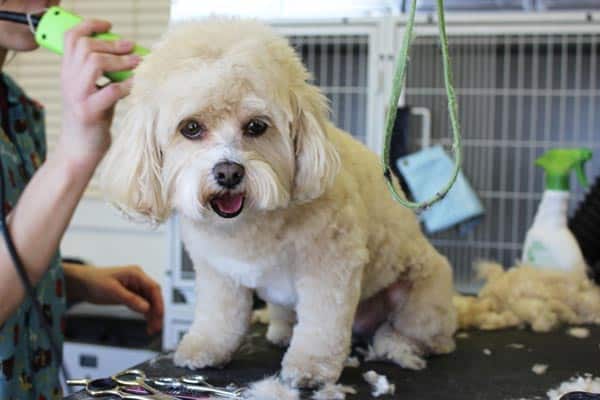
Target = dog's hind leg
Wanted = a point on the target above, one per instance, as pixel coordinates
(425, 324)
(281, 324)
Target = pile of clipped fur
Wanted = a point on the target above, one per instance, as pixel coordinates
(524, 295)
(271, 388)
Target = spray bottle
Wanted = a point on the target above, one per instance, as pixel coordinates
(549, 242)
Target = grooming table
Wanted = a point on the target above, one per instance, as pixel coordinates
(466, 374)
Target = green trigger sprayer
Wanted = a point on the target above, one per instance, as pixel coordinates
(558, 164)
(549, 242)
(50, 27)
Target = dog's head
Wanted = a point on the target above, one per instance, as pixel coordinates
(222, 122)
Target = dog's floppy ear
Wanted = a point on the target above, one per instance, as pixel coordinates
(131, 174)
(317, 160)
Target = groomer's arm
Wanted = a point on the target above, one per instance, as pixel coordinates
(42, 214)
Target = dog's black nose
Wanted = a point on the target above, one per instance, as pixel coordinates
(228, 174)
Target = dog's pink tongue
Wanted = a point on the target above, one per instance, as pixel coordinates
(230, 204)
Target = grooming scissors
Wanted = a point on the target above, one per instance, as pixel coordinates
(195, 383)
(133, 385)
(114, 387)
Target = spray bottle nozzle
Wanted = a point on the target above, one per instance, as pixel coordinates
(558, 164)
(581, 175)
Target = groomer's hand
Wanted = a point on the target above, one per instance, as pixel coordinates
(128, 285)
(87, 109)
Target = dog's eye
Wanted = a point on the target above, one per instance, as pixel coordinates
(192, 129)
(256, 127)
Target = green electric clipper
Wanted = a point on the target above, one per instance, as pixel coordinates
(50, 27)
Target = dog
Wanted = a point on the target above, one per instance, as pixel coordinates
(225, 127)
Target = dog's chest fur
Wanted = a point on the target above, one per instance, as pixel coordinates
(244, 258)
(272, 281)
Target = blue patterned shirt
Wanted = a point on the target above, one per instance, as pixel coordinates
(28, 368)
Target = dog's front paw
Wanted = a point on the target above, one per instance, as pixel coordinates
(197, 351)
(310, 371)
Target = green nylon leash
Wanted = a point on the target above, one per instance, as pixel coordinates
(399, 75)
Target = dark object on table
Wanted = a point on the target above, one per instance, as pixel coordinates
(580, 396)
(585, 225)
(107, 331)
(399, 146)
(466, 374)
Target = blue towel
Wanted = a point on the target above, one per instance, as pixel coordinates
(426, 173)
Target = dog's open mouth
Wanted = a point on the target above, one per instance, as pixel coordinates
(228, 205)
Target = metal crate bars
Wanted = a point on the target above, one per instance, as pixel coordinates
(519, 95)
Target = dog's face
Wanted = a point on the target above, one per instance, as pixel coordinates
(227, 147)
(222, 123)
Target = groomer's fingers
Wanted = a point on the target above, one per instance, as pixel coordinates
(151, 291)
(122, 295)
(99, 63)
(154, 322)
(102, 62)
(135, 279)
(155, 317)
(88, 45)
(106, 97)
(86, 28)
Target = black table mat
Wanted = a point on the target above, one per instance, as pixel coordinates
(468, 373)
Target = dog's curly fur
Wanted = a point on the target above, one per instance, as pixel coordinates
(318, 233)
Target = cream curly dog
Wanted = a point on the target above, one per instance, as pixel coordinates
(224, 129)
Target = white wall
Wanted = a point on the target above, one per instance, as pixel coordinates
(267, 9)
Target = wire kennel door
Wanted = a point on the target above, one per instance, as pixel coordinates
(343, 59)
(342, 56)
(521, 91)
(339, 65)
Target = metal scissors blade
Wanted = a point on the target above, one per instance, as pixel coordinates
(235, 394)
(195, 383)
(107, 387)
(137, 378)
